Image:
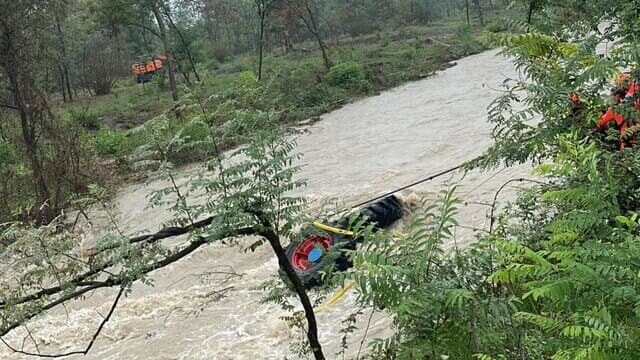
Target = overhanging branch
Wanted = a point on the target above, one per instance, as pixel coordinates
(84, 286)
(81, 280)
(268, 232)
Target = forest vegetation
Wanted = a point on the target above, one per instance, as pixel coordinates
(556, 275)
(70, 62)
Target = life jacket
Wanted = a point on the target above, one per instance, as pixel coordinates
(608, 117)
(611, 116)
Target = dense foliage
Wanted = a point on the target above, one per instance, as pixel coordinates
(557, 277)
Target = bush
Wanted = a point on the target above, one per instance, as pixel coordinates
(467, 43)
(220, 53)
(361, 26)
(496, 26)
(195, 135)
(110, 142)
(160, 82)
(7, 155)
(85, 118)
(349, 76)
(411, 32)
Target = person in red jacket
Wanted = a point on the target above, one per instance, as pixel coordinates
(626, 90)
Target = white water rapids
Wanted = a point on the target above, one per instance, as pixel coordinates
(361, 150)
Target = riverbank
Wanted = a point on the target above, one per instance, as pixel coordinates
(296, 86)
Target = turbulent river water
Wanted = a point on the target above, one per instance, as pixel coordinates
(358, 151)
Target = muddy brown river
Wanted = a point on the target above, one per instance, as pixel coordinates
(361, 150)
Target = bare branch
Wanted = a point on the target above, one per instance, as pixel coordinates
(366, 331)
(30, 335)
(81, 279)
(152, 31)
(78, 352)
(492, 217)
(112, 281)
(8, 106)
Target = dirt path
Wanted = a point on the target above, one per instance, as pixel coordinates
(361, 150)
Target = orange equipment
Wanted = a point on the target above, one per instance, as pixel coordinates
(145, 71)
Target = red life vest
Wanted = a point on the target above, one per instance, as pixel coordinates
(610, 116)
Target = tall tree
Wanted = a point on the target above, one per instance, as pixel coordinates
(479, 10)
(65, 85)
(103, 61)
(18, 48)
(47, 145)
(305, 10)
(155, 8)
(185, 45)
(466, 8)
(263, 8)
(531, 7)
(286, 24)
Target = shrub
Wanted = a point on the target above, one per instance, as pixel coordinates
(349, 76)
(196, 142)
(110, 142)
(496, 26)
(220, 53)
(7, 155)
(85, 118)
(160, 82)
(467, 43)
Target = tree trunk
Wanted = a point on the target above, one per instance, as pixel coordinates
(262, 12)
(312, 26)
(530, 13)
(186, 46)
(28, 109)
(479, 8)
(64, 69)
(466, 6)
(288, 43)
(33, 111)
(185, 74)
(325, 57)
(312, 330)
(62, 87)
(167, 49)
(67, 80)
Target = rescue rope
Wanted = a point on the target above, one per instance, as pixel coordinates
(332, 229)
(418, 182)
(339, 294)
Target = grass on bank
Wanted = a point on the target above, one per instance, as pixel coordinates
(296, 84)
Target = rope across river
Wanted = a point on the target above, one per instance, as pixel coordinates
(418, 182)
